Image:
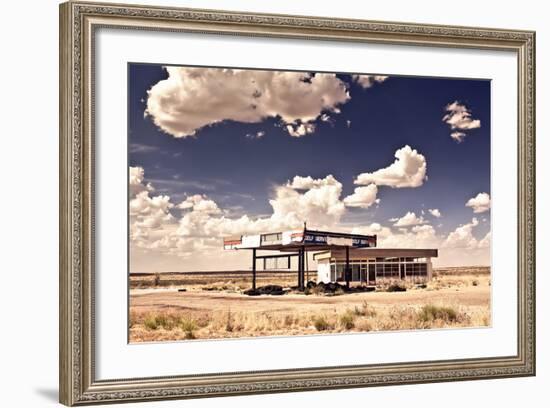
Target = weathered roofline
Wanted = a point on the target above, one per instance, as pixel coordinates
(361, 253)
(305, 237)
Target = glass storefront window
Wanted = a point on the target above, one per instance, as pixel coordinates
(383, 270)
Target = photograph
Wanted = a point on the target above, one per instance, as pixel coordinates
(266, 202)
(331, 199)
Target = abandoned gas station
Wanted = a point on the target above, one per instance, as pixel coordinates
(340, 257)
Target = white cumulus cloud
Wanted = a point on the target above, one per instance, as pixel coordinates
(408, 170)
(148, 214)
(136, 175)
(367, 81)
(485, 241)
(435, 212)
(408, 220)
(480, 203)
(462, 237)
(375, 228)
(362, 197)
(458, 248)
(320, 204)
(459, 118)
(192, 98)
(199, 203)
(202, 222)
(163, 230)
(458, 136)
(300, 129)
(257, 135)
(420, 236)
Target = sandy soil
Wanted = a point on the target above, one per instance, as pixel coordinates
(201, 300)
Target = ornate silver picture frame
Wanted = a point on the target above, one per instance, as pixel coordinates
(79, 22)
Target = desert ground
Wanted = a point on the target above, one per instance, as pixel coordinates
(189, 306)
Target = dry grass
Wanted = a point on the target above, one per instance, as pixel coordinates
(347, 320)
(445, 302)
(321, 323)
(430, 313)
(170, 326)
(364, 310)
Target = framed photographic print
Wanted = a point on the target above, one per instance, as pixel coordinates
(256, 203)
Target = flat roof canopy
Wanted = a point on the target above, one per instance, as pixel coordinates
(294, 240)
(311, 247)
(355, 253)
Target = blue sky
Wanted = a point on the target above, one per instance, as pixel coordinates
(227, 163)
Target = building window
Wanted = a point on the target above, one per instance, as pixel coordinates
(272, 237)
(364, 275)
(340, 272)
(379, 270)
(355, 272)
(396, 269)
(417, 270)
